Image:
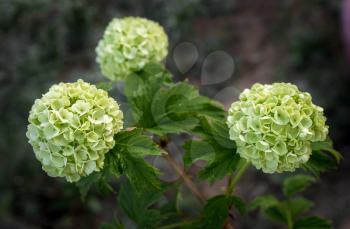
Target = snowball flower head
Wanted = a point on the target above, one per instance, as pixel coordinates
(274, 125)
(128, 44)
(71, 128)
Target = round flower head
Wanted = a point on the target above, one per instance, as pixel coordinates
(274, 125)
(71, 128)
(128, 44)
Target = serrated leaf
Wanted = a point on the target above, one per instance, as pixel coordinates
(137, 206)
(137, 144)
(299, 206)
(277, 213)
(297, 183)
(216, 131)
(263, 202)
(127, 157)
(177, 108)
(273, 208)
(140, 89)
(115, 224)
(239, 204)
(198, 150)
(107, 86)
(98, 180)
(312, 222)
(220, 150)
(154, 68)
(141, 174)
(327, 146)
(174, 127)
(163, 107)
(85, 183)
(215, 212)
(223, 164)
(323, 158)
(320, 162)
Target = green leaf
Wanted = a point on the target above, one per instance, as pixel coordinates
(323, 158)
(263, 202)
(176, 109)
(215, 212)
(141, 174)
(127, 157)
(239, 204)
(198, 150)
(115, 224)
(137, 144)
(312, 222)
(86, 183)
(140, 89)
(272, 207)
(223, 164)
(216, 131)
(297, 183)
(327, 146)
(99, 180)
(299, 206)
(320, 162)
(137, 206)
(155, 68)
(214, 147)
(107, 86)
(278, 213)
(163, 107)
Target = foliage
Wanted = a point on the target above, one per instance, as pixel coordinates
(215, 212)
(163, 107)
(164, 110)
(137, 204)
(215, 147)
(291, 210)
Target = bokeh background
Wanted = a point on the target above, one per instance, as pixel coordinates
(223, 46)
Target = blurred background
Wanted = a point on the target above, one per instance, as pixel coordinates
(222, 46)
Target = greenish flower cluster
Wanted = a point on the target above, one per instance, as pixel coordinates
(274, 125)
(128, 44)
(71, 128)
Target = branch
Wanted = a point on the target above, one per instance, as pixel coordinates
(187, 179)
(189, 183)
(232, 182)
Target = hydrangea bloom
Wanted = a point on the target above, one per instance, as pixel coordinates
(274, 125)
(71, 128)
(128, 44)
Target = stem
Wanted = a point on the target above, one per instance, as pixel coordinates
(289, 220)
(191, 186)
(233, 181)
(228, 225)
(185, 178)
(289, 217)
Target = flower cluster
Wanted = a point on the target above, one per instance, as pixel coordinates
(274, 125)
(71, 129)
(128, 44)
